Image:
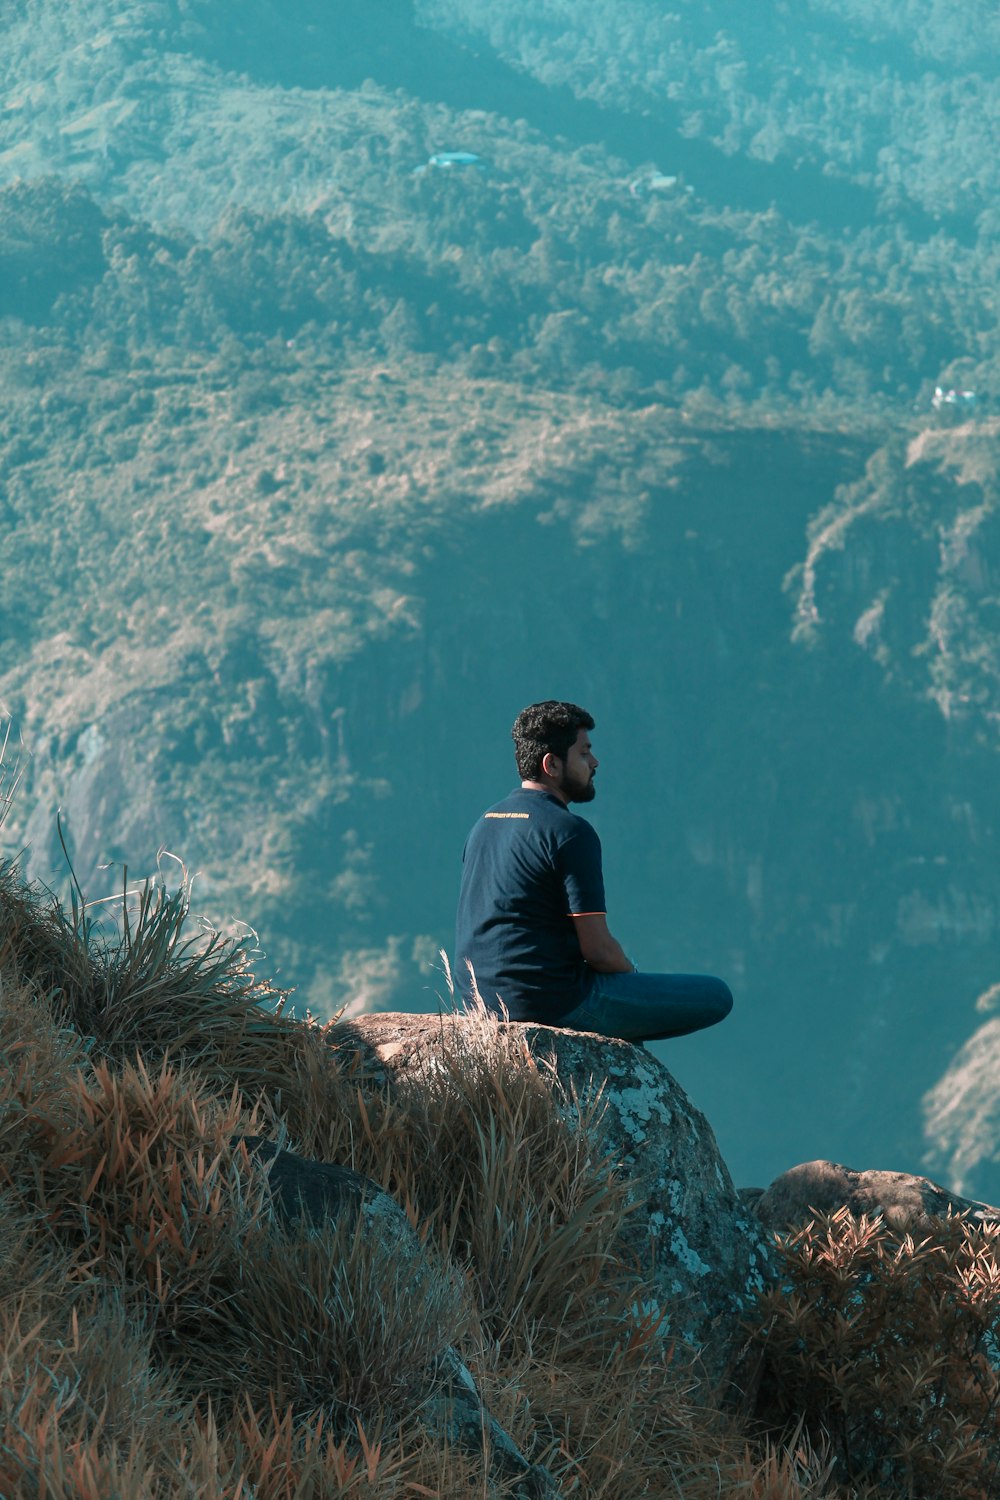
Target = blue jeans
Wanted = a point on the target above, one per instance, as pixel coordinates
(648, 1007)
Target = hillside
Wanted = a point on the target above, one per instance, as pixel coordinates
(319, 461)
(886, 109)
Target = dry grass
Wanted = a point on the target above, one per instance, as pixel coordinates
(162, 1333)
(480, 1150)
(145, 984)
(886, 1349)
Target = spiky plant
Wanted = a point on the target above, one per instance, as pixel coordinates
(885, 1347)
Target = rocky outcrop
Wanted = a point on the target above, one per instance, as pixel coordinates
(701, 1249)
(822, 1187)
(452, 1409)
(962, 1110)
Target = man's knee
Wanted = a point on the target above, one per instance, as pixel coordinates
(722, 999)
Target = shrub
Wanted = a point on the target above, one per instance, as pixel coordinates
(884, 1348)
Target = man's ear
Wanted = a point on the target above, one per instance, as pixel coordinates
(550, 764)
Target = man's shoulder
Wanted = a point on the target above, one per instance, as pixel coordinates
(579, 829)
(541, 810)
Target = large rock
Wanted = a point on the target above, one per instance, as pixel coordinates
(962, 1110)
(703, 1251)
(823, 1187)
(319, 1192)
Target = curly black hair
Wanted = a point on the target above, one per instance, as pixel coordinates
(550, 726)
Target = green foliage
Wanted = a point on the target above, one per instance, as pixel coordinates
(312, 208)
(891, 97)
(50, 247)
(883, 1349)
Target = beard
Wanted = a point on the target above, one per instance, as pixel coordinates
(578, 791)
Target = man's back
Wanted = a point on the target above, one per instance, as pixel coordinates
(529, 866)
(532, 920)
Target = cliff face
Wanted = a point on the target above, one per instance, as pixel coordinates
(800, 816)
(787, 806)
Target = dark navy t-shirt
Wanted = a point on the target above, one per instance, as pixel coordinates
(529, 865)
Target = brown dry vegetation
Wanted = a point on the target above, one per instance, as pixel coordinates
(884, 1349)
(162, 1334)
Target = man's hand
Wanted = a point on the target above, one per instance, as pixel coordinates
(600, 950)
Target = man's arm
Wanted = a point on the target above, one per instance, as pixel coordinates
(600, 950)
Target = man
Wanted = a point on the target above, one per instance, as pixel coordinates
(532, 932)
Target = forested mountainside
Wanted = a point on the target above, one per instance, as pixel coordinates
(898, 99)
(369, 371)
(738, 283)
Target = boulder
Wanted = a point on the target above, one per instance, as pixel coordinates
(453, 1409)
(318, 1190)
(702, 1250)
(822, 1187)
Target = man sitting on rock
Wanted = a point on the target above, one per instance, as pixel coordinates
(532, 933)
